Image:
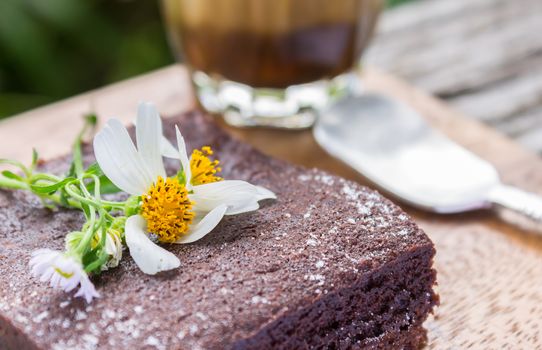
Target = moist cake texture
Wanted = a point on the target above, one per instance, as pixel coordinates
(328, 265)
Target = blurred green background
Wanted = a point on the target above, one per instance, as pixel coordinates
(52, 49)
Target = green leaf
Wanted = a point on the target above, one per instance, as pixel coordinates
(131, 206)
(91, 119)
(64, 198)
(106, 186)
(94, 169)
(14, 163)
(71, 171)
(11, 175)
(90, 257)
(48, 189)
(96, 266)
(94, 259)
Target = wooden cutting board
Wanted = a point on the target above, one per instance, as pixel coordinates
(489, 264)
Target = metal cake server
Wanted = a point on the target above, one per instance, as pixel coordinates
(390, 144)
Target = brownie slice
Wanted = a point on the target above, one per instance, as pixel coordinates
(328, 265)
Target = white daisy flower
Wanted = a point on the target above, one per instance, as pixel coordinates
(62, 271)
(175, 210)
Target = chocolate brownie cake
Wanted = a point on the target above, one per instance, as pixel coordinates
(328, 265)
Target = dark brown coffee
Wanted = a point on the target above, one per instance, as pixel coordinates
(272, 43)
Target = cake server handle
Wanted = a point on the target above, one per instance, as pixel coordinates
(523, 202)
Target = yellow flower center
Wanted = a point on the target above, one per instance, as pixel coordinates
(203, 168)
(167, 209)
(66, 275)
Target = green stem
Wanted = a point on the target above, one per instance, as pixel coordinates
(104, 206)
(97, 195)
(17, 164)
(80, 198)
(77, 156)
(13, 184)
(42, 176)
(81, 247)
(18, 185)
(98, 263)
(55, 198)
(77, 149)
(113, 205)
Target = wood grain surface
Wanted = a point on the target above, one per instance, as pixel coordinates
(483, 56)
(488, 263)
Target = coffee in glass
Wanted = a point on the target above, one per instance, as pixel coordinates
(269, 62)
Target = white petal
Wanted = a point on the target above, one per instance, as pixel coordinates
(149, 139)
(47, 264)
(264, 193)
(168, 150)
(240, 209)
(47, 274)
(239, 196)
(110, 244)
(127, 154)
(41, 260)
(119, 160)
(150, 258)
(55, 280)
(113, 248)
(185, 163)
(206, 225)
(70, 283)
(87, 289)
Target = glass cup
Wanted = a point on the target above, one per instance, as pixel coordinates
(270, 62)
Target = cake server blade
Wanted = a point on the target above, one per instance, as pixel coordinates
(390, 144)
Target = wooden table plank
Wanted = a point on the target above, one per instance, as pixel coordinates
(488, 268)
(483, 56)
